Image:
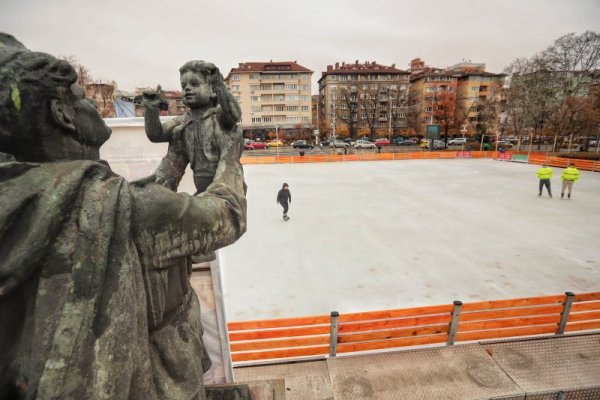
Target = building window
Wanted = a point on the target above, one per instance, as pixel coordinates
(265, 86)
(279, 97)
(253, 76)
(291, 108)
(279, 108)
(291, 86)
(333, 87)
(278, 86)
(304, 98)
(292, 119)
(235, 77)
(256, 119)
(236, 88)
(343, 78)
(267, 119)
(305, 108)
(254, 98)
(475, 89)
(255, 108)
(254, 87)
(305, 119)
(292, 97)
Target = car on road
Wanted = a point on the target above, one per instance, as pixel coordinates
(339, 144)
(382, 142)
(257, 145)
(275, 143)
(406, 142)
(364, 144)
(504, 144)
(302, 144)
(457, 141)
(437, 144)
(350, 141)
(251, 145)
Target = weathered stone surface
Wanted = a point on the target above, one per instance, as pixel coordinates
(95, 299)
(228, 392)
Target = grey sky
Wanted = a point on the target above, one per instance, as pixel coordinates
(143, 43)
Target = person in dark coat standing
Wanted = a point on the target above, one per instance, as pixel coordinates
(284, 197)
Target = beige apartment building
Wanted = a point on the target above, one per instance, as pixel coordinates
(478, 97)
(275, 97)
(363, 99)
(461, 99)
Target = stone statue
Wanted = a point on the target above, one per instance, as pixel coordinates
(95, 300)
(193, 137)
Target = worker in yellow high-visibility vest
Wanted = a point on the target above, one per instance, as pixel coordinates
(544, 174)
(569, 176)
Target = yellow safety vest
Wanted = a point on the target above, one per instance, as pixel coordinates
(545, 173)
(570, 174)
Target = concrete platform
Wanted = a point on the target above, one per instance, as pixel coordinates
(529, 369)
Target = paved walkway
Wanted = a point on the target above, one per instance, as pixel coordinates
(532, 369)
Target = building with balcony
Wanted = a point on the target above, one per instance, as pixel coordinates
(463, 98)
(478, 97)
(363, 99)
(274, 96)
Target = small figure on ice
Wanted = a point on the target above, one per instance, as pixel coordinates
(569, 176)
(544, 174)
(284, 197)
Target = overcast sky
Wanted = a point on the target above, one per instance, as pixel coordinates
(143, 43)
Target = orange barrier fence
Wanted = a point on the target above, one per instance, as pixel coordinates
(314, 158)
(321, 336)
(531, 158)
(587, 165)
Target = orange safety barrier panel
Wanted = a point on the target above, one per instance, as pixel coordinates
(533, 158)
(253, 341)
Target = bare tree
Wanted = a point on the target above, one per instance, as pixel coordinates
(348, 111)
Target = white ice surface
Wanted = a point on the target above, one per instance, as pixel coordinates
(377, 235)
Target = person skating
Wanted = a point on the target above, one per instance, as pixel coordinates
(284, 198)
(569, 176)
(544, 174)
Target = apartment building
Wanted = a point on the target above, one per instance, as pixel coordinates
(432, 93)
(363, 99)
(478, 97)
(463, 98)
(273, 96)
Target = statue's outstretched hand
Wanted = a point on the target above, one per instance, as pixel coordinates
(151, 98)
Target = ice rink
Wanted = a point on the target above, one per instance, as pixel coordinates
(391, 234)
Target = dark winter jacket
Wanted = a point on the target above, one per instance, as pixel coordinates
(284, 196)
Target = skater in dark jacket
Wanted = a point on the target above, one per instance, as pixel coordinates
(284, 197)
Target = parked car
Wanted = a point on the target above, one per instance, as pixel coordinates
(437, 144)
(275, 143)
(457, 141)
(302, 144)
(256, 145)
(382, 142)
(339, 144)
(248, 146)
(504, 144)
(364, 144)
(406, 142)
(350, 141)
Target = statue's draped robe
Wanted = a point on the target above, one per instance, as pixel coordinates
(95, 301)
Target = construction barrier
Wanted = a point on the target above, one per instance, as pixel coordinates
(315, 158)
(328, 335)
(531, 158)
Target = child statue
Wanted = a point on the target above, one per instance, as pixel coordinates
(193, 137)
